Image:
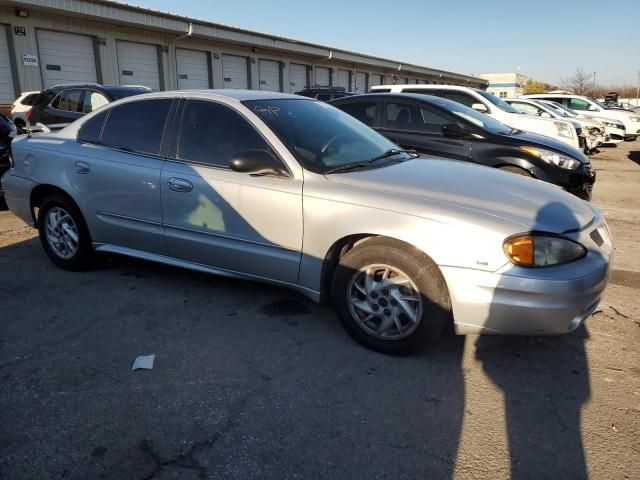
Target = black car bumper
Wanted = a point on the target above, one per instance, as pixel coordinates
(581, 182)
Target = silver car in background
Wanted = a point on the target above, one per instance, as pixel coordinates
(291, 191)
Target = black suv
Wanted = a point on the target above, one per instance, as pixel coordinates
(444, 128)
(58, 106)
(325, 94)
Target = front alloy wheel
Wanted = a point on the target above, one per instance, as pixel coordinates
(384, 302)
(61, 233)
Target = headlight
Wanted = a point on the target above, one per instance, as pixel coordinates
(554, 158)
(564, 129)
(540, 250)
(634, 119)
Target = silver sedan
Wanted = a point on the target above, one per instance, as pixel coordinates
(291, 191)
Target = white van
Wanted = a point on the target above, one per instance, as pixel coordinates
(491, 105)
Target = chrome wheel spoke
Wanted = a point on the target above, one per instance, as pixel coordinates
(61, 233)
(384, 302)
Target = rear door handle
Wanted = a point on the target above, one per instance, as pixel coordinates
(180, 185)
(82, 168)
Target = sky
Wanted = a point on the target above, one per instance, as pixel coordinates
(547, 40)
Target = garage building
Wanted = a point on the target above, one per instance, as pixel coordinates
(49, 42)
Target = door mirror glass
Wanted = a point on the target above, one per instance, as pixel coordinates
(454, 130)
(257, 163)
(479, 107)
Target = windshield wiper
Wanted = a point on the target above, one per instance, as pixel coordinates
(392, 152)
(356, 165)
(348, 166)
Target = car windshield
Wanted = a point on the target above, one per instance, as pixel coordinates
(320, 136)
(600, 104)
(501, 104)
(481, 120)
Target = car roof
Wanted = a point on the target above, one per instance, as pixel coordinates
(418, 97)
(234, 94)
(418, 86)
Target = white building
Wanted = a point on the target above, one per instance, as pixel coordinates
(49, 42)
(505, 85)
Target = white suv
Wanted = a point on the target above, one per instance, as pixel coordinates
(20, 108)
(491, 105)
(590, 105)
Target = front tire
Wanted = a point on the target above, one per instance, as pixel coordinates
(390, 297)
(64, 234)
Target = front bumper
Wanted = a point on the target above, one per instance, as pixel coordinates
(581, 182)
(543, 301)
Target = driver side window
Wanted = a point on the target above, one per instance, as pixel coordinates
(212, 134)
(578, 104)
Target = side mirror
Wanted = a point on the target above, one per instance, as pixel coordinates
(454, 130)
(480, 107)
(593, 109)
(257, 163)
(545, 115)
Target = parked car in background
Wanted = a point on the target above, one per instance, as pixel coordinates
(590, 105)
(591, 133)
(493, 106)
(325, 93)
(627, 106)
(444, 128)
(20, 108)
(7, 133)
(58, 106)
(402, 247)
(614, 129)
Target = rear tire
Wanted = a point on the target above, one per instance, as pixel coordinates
(516, 170)
(64, 234)
(397, 314)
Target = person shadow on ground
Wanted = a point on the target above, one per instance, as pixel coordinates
(545, 381)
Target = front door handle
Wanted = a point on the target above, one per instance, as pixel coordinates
(82, 168)
(180, 185)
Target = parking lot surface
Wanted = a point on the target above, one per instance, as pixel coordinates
(254, 381)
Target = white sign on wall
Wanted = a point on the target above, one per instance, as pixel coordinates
(29, 60)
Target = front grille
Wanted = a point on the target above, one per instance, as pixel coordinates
(581, 141)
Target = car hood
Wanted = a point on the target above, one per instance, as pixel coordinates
(533, 204)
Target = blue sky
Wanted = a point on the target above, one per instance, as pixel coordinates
(548, 40)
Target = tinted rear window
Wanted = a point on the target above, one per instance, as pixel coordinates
(136, 126)
(30, 100)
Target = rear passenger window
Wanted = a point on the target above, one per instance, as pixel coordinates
(410, 117)
(91, 130)
(136, 126)
(462, 98)
(213, 134)
(69, 101)
(363, 111)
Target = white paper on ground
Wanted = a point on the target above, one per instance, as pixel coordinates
(143, 362)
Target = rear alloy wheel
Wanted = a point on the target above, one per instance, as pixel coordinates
(64, 234)
(516, 170)
(390, 297)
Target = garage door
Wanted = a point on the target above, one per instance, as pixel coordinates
(402, 81)
(343, 79)
(66, 58)
(388, 80)
(323, 76)
(361, 82)
(234, 71)
(297, 77)
(7, 95)
(375, 79)
(192, 68)
(269, 75)
(138, 64)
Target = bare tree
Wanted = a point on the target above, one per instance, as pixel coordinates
(579, 83)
